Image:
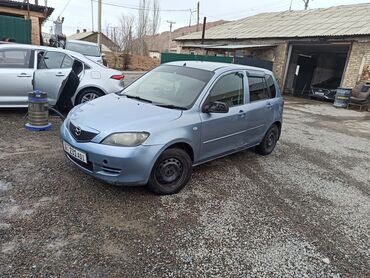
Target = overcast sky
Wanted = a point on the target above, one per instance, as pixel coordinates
(78, 14)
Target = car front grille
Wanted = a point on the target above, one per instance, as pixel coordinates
(81, 135)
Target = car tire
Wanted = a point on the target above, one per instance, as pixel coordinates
(88, 95)
(171, 172)
(268, 143)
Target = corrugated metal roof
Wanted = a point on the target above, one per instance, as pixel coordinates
(345, 20)
(228, 46)
(80, 35)
(24, 6)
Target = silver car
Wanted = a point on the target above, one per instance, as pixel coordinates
(66, 76)
(179, 115)
(89, 49)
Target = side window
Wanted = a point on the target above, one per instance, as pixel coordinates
(67, 62)
(52, 60)
(229, 89)
(271, 85)
(16, 58)
(257, 88)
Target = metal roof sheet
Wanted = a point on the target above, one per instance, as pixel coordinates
(346, 20)
(229, 46)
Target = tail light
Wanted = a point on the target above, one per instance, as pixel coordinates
(117, 77)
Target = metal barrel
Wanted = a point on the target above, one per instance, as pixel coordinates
(342, 97)
(38, 111)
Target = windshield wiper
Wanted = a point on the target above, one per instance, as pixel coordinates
(171, 106)
(139, 98)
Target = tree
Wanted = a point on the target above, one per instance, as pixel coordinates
(142, 26)
(306, 2)
(155, 21)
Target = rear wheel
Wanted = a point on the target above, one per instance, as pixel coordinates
(269, 141)
(88, 95)
(171, 172)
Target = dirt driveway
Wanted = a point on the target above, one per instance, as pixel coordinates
(302, 211)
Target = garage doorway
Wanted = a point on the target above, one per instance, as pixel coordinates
(315, 65)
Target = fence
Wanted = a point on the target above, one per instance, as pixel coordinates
(173, 57)
(18, 29)
(247, 61)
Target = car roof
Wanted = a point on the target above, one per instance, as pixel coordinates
(83, 42)
(214, 66)
(35, 47)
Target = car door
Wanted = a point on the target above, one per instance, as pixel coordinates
(223, 132)
(16, 73)
(53, 68)
(259, 109)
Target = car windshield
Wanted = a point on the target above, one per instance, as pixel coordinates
(85, 49)
(170, 86)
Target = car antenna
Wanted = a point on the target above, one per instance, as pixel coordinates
(184, 65)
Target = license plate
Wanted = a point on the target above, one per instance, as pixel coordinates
(81, 156)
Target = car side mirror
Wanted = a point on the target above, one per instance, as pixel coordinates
(216, 107)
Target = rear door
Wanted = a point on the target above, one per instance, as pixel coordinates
(53, 68)
(16, 73)
(260, 112)
(224, 132)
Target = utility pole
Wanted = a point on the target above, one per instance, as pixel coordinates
(169, 43)
(92, 16)
(198, 6)
(99, 22)
(306, 2)
(204, 29)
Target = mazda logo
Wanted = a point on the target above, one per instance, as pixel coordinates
(78, 131)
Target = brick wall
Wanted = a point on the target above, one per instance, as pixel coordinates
(280, 58)
(35, 30)
(358, 64)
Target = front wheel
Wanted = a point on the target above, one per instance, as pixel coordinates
(269, 141)
(88, 95)
(171, 172)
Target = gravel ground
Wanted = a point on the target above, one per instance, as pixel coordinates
(303, 211)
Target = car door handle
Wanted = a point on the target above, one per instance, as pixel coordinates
(23, 74)
(242, 114)
(269, 105)
(60, 74)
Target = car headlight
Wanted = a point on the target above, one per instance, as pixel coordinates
(126, 139)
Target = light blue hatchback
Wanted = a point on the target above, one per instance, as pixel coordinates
(176, 116)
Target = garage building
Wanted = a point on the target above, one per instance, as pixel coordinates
(302, 48)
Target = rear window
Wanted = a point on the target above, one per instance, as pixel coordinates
(85, 49)
(16, 58)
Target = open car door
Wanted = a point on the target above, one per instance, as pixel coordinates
(53, 70)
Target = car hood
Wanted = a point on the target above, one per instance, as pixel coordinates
(114, 113)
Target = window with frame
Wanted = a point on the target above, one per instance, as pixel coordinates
(16, 58)
(229, 89)
(52, 60)
(271, 86)
(258, 88)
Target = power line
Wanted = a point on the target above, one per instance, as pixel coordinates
(137, 8)
(65, 6)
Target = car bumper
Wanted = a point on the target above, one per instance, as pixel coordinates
(114, 165)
